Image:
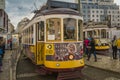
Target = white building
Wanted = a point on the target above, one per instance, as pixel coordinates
(21, 24)
(10, 27)
(2, 4)
(101, 11)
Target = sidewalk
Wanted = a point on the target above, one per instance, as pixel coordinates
(5, 75)
(105, 63)
(10, 60)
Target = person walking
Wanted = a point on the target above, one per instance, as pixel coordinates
(114, 47)
(11, 44)
(0, 63)
(92, 49)
(2, 46)
(86, 42)
(118, 46)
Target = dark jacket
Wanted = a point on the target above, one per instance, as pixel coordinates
(92, 44)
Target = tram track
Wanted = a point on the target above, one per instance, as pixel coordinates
(29, 72)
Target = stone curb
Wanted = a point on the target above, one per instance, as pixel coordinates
(103, 69)
(13, 70)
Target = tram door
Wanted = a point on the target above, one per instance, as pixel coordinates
(40, 42)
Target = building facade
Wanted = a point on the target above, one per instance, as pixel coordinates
(101, 11)
(3, 18)
(3, 21)
(10, 27)
(2, 4)
(21, 25)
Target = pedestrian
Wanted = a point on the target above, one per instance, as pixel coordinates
(11, 44)
(118, 47)
(1, 53)
(89, 38)
(3, 46)
(0, 63)
(92, 49)
(114, 47)
(86, 42)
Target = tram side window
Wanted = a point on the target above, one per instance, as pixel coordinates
(80, 31)
(31, 34)
(41, 31)
(103, 33)
(27, 36)
(70, 29)
(54, 29)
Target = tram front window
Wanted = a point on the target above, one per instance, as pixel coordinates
(54, 29)
(70, 29)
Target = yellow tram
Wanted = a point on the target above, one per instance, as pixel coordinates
(100, 34)
(53, 39)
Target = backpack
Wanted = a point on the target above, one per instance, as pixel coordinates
(1, 51)
(114, 43)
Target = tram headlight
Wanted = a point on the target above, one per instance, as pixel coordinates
(57, 64)
(49, 46)
(71, 57)
(81, 62)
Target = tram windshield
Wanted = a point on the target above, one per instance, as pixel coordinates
(70, 29)
(54, 29)
(67, 31)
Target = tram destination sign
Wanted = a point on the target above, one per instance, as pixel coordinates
(59, 4)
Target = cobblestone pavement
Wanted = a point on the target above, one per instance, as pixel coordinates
(105, 63)
(5, 75)
(100, 74)
(26, 71)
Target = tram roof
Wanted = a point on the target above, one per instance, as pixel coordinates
(57, 11)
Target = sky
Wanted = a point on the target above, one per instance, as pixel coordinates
(19, 9)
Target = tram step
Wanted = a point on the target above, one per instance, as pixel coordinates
(41, 71)
(69, 75)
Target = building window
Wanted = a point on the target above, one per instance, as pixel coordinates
(97, 20)
(88, 7)
(88, 15)
(113, 12)
(84, 15)
(0, 13)
(84, 7)
(84, 11)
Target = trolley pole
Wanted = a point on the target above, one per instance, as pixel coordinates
(79, 7)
